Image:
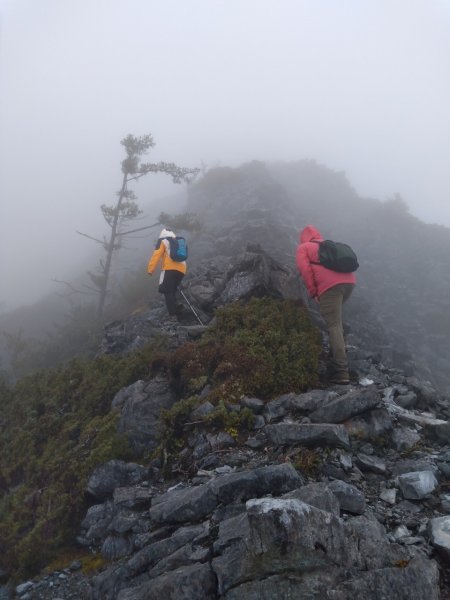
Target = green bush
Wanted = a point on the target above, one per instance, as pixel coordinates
(56, 426)
(262, 348)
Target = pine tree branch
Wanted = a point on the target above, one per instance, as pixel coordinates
(90, 237)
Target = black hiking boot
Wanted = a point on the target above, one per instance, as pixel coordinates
(340, 379)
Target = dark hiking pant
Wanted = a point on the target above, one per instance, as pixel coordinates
(170, 280)
(330, 306)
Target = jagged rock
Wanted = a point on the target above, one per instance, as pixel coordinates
(95, 524)
(258, 422)
(193, 332)
(407, 507)
(125, 336)
(346, 461)
(371, 463)
(23, 588)
(332, 471)
(435, 429)
(409, 465)
(227, 511)
(255, 273)
(75, 565)
(186, 555)
(203, 293)
(193, 582)
(254, 404)
(297, 403)
(298, 545)
(443, 463)
(258, 441)
(373, 425)
(426, 392)
(417, 485)
(313, 585)
(231, 530)
(347, 406)
(375, 551)
(193, 504)
(285, 535)
(96, 514)
(309, 401)
(407, 400)
(404, 438)
(145, 539)
(389, 495)
(201, 448)
(150, 555)
(141, 405)
(133, 497)
(283, 434)
(400, 532)
(318, 495)
(116, 546)
(275, 409)
(201, 411)
(113, 474)
(180, 506)
(418, 580)
(439, 532)
(124, 522)
(220, 440)
(274, 479)
(350, 498)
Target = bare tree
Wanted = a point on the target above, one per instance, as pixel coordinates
(126, 208)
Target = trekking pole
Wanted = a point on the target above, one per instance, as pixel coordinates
(192, 308)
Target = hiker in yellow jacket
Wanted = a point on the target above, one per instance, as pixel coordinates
(172, 272)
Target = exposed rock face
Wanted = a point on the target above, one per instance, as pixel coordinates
(140, 406)
(317, 434)
(250, 529)
(439, 530)
(106, 478)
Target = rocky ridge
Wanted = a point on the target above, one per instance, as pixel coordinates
(339, 492)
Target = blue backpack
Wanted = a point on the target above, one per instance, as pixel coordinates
(178, 248)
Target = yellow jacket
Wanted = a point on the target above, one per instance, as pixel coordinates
(162, 254)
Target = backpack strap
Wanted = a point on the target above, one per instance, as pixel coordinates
(160, 240)
(312, 262)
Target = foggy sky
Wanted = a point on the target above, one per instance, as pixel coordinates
(362, 86)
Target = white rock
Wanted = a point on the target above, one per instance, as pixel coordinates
(417, 485)
(439, 530)
(389, 496)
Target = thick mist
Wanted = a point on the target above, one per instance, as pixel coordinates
(360, 87)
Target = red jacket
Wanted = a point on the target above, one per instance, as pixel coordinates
(317, 279)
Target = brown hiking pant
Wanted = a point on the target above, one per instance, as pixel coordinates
(330, 306)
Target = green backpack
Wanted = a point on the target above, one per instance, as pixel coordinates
(337, 256)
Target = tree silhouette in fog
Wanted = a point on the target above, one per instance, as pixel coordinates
(126, 208)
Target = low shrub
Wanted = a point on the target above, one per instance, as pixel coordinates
(56, 426)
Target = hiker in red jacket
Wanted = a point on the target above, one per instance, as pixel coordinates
(330, 289)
